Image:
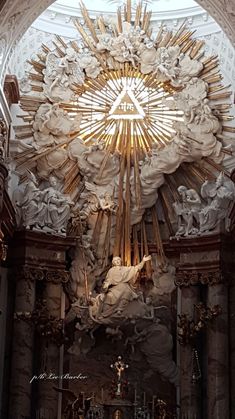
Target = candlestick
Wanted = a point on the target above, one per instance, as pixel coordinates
(102, 395)
(135, 396)
(144, 399)
(135, 403)
(153, 403)
(83, 401)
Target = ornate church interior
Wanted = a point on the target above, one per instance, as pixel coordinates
(117, 209)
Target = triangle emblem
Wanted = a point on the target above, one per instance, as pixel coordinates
(126, 106)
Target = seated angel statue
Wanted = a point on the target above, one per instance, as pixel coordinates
(58, 207)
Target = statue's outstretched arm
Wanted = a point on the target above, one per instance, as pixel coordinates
(142, 263)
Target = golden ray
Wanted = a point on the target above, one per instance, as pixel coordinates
(61, 41)
(148, 267)
(178, 33)
(167, 209)
(36, 65)
(217, 166)
(58, 50)
(157, 235)
(195, 50)
(228, 129)
(36, 77)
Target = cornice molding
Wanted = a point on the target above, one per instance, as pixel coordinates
(186, 278)
(57, 20)
(32, 273)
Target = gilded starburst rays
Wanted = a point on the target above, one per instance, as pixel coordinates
(125, 100)
(95, 96)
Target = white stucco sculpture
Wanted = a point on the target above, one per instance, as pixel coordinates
(119, 291)
(52, 119)
(187, 211)
(89, 64)
(166, 64)
(188, 68)
(219, 195)
(29, 204)
(42, 209)
(105, 42)
(58, 208)
(196, 217)
(60, 74)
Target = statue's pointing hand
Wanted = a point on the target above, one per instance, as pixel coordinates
(147, 258)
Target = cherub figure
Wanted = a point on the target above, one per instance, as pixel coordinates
(166, 64)
(101, 197)
(87, 247)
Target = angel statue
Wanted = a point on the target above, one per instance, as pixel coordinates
(29, 204)
(58, 207)
(119, 289)
(96, 198)
(188, 68)
(51, 119)
(187, 211)
(60, 74)
(89, 64)
(105, 42)
(122, 48)
(88, 250)
(219, 195)
(166, 64)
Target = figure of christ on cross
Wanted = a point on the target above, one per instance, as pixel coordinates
(120, 367)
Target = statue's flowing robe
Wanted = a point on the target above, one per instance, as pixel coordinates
(120, 282)
(58, 209)
(216, 210)
(32, 208)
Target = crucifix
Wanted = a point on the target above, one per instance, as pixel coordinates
(120, 367)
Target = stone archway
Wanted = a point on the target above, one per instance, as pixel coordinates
(17, 17)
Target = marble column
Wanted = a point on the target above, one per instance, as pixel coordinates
(50, 357)
(218, 356)
(22, 348)
(189, 392)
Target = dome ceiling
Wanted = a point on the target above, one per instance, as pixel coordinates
(157, 6)
(58, 18)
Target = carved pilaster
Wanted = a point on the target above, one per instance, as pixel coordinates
(190, 391)
(218, 356)
(50, 352)
(22, 348)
